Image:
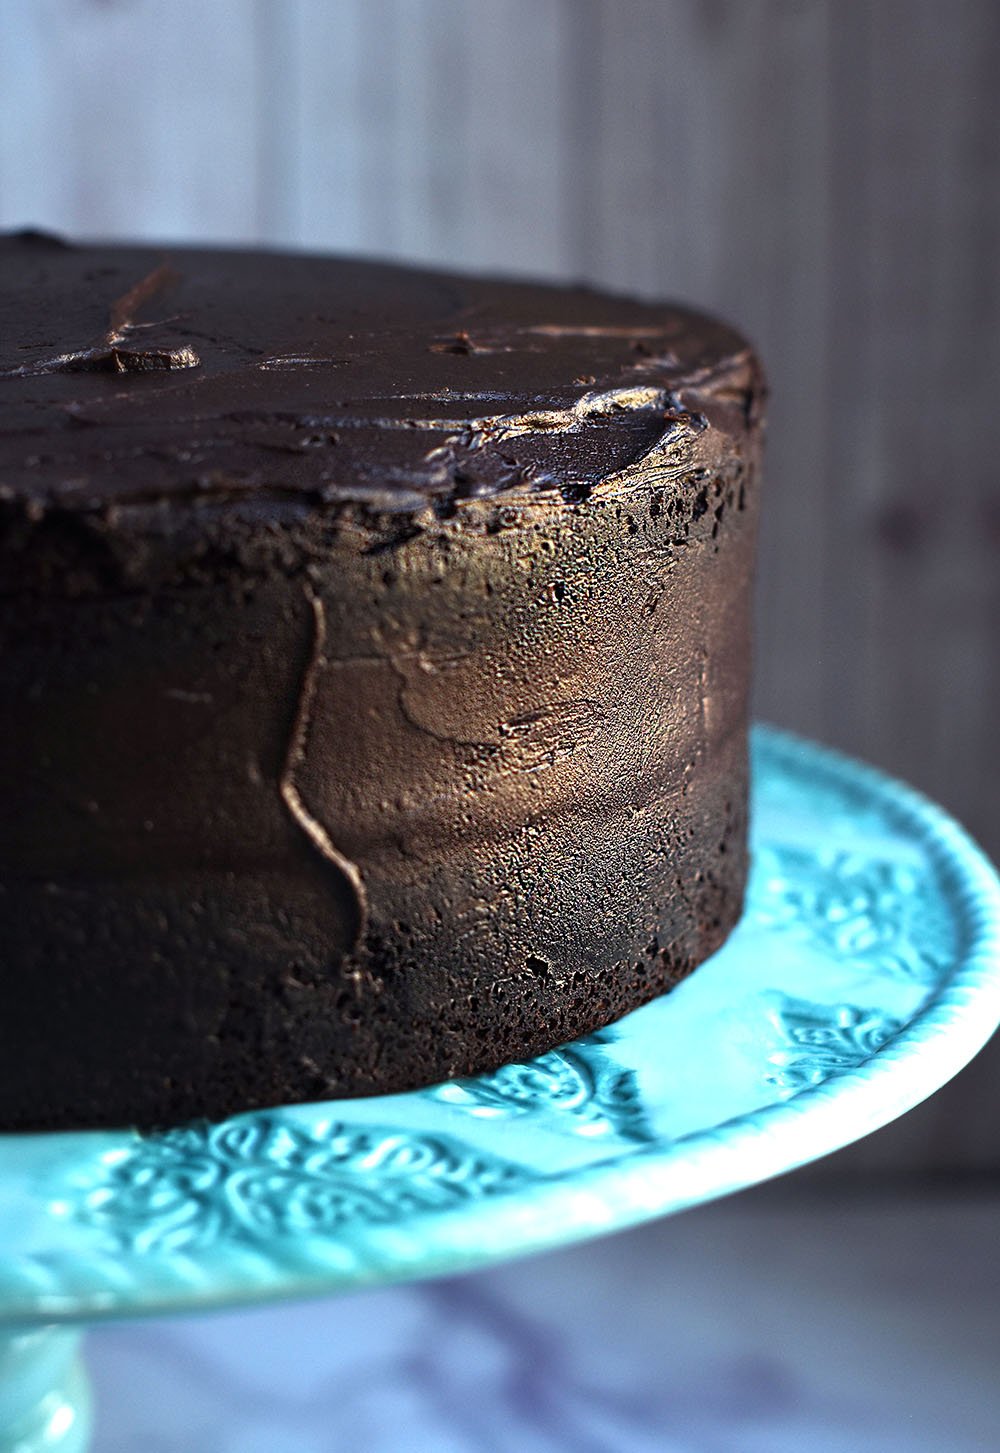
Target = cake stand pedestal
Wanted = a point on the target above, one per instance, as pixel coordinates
(864, 974)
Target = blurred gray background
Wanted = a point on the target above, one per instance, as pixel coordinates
(823, 172)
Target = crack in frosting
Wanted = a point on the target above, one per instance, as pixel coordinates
(290, 795)
(107, 355)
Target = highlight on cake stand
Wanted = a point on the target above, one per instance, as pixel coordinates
(865, 972)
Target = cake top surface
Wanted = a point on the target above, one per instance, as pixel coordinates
(140, 374)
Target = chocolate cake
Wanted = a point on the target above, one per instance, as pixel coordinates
(375, 653)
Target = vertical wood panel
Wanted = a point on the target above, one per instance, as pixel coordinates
(822, 171)
(934, 338)
(509, 126)
(115, 122)
(430, 130)
(327, 147)
(913, 656)
(272, 174)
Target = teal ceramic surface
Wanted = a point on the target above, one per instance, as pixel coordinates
(865, 972)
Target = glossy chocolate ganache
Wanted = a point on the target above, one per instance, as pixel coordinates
(375, 654)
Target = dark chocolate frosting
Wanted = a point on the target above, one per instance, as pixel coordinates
(137, 374)
(376, 657)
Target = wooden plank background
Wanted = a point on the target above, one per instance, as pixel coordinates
(823, 172)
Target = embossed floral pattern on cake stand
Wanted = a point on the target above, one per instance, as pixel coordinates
(865, 972)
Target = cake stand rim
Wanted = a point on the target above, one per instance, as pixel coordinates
(955, 1022)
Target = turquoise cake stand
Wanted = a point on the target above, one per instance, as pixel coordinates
(865, 973)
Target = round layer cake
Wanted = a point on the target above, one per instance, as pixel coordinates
(376, 648)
